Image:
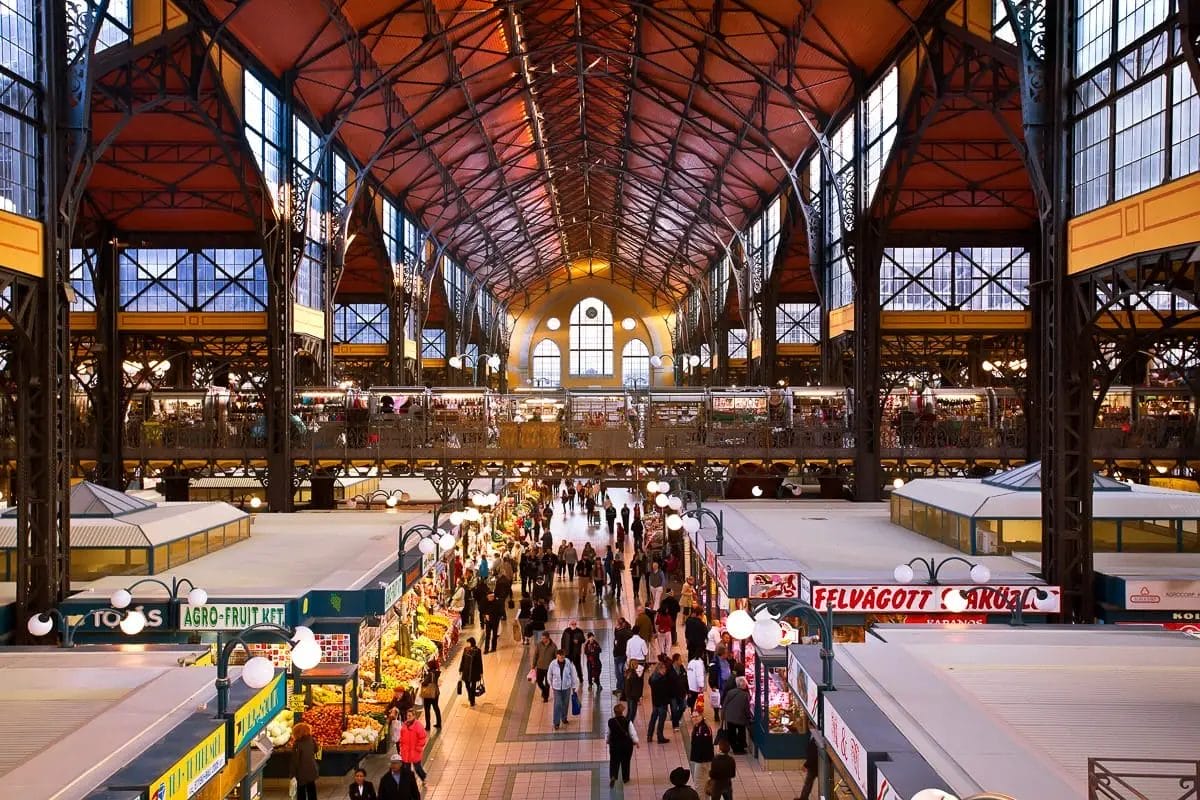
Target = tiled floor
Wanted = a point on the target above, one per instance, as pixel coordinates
(506, 747)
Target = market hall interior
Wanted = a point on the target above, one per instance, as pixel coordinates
(863, 332)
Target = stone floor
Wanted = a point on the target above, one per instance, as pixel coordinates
(506, 746)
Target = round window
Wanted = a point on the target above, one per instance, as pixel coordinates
(591, 312)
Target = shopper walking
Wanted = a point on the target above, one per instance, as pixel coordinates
(470, 670)
(696, 672)
(583, 570)
(644, 624)
(621, 635)
(656, 584)
(600, 572)
(543, 657)
(679, 786)
(431, 692)
(570, 558)
(361, 788)
(660, 702)
(303, 766)
(811, 768)
(679, 690)
(625, 515)
(398, 783)
(493, 612)
(591, 655)
(572, 645)
(610, 516)
(671, 606)
(687, 597)
(413, 737)
(622, 738)
(618, 575)
(637, 528)
(721, 773)
(695, 633)
(635, 687)
(662, 631)
(700, 750)
(735, 710)
(638, 565)
(564, 680)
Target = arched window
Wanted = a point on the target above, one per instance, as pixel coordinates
(591, 338)
(547, 364)
(635, 364)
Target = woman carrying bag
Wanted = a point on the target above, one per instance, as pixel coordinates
(303, 767)
(470, 671)
(431, 692)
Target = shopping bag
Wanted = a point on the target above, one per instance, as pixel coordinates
(576, 707)
(293, 788)
(532, 675)
(480, 690)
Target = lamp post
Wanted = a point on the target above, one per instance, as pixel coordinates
(196, 596)
(933, 568)
(692, 520)
(38, 625)
(958, 601)
(491, 361)
(430, 542)
(259, 671)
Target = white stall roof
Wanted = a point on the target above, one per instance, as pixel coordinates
(1020, 711)
(842, 542)
(1013, 496)
(95, 711)
(149, 526)
(1161, 566)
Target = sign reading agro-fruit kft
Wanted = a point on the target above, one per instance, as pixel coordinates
(230, 617)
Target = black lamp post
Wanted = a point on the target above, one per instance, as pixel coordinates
(933, 568)
(1015, 602)
(38, 625)
(740, 625)
(306, 653)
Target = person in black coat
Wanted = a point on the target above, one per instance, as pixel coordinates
(695, 634)
(362, 789)
(492, 611)
(572, 645)
(671, 606)
(539, 616)
(399, 782)
(470, 669)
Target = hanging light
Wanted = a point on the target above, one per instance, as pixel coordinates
(472, 515)
(980, 574)
(691, 524)
(40, 624)
(447, 541)
(306, 654)
(197, 597)
(767, 633)
(391, 501)
(955, 601)
(675, 503)
(661, 500)
(897, 483)
(933, 794)
(493, 362)
(456, 518)
(120, 599)
(652, 486)
(554, 323)
(694, 360)
(133, 623)
(740, 624)
(258, 671)
(456, 362)
(664, 487)
(1042, 600)
(756, 491)
(255, 502)
(674, 522)
(427, 546)
(903, 574)
(302, 632)
(656, 361)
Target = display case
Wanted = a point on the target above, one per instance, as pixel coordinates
(675, 418)
(1008, 418)
(937, 418)
(320, 416)
(779, 728)
(400, 416)
(820, 416)
(600, 420)
(1114, 418)
(531, 418)
(1164, 418)
(177, 419)
(459, 417)
(737, 418)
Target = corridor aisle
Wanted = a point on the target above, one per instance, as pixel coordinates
(506, 747)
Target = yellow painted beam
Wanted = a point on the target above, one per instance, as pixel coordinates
(360, 350)
(21, 244)
(841, 320)
(798, 350)
(192, 321)
(955, 320)
(1157, 219)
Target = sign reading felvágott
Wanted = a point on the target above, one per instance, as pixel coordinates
(927, 599)
(189, 774)
(230, 617)
(847, 746)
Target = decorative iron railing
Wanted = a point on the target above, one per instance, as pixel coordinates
(1143, 779)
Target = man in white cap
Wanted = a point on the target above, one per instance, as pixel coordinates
(399, 782)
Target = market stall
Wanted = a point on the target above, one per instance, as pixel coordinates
(459, 417)
(675, 418)
(177, 419)
(1114, 418)
(1164, 417)
(531, 418)
(601, 420)
(820, 416)
(778, 730)
(937, 418)
(399, 416)
(329, 418)
(738, 418)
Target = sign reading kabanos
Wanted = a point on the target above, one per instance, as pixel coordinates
(927, 599)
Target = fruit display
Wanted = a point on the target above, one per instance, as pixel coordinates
(279, 730)
(326, 722)
(360, 730)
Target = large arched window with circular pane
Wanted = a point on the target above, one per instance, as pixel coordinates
(635, 364)
(591, 339)
(547, 364)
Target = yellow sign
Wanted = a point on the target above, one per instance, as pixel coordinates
(256, 714)
(190, 773)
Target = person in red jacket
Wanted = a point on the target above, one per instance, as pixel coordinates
(412, 743)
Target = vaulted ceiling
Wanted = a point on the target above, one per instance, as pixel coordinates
(542, 139)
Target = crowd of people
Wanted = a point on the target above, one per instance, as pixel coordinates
(685, 684)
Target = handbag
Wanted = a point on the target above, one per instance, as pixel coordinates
(576, 706)
(428, 691)
(531, 676)
(480, 690)
(460, 686)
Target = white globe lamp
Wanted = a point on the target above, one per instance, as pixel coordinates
(456, 518)
(301, 633)
(197, 597)
(740, 624)
(955, 601)
(656, 361)
(306, 654)
(756, 491)
(980, 574)
(694, 360)
(675, 503)
(391, 501)
(121, 598)
(933, 794)
(40, 624)
(455, 362)
(661, 500)
(767, 633)
(427, 546)
(903, 574)
(493, 362)
(674, 522)
(472, 515)
(257, 672)
(447, 541)
(691, 524)
(652, 486)
(133, 623)
(1042, 600)
(664, 487)
(898, 483)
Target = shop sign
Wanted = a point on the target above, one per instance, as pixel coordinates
(251, 718)
(803, 686)
(772, 585)
(1167, 595)
(710, 561)
(805, 590)
(393, 592)
(723, 576)
(105, 619)
(230, 616)
(885, 791)
(926, 599)
(189, 774)
(847, 746)
(942, 619)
